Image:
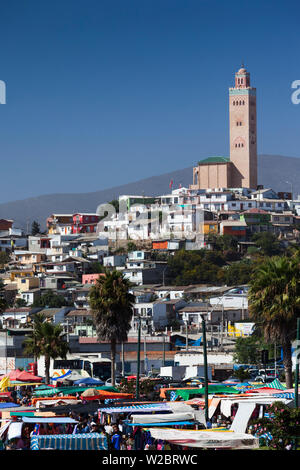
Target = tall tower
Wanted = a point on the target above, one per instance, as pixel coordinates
(242, 121)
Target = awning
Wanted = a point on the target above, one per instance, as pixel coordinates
(242, 417)
(91, 441)
(163, 418)
(213, 406)
(206, 439)
(168, 423)
(149, 407)
(55, 400)
(51, 419)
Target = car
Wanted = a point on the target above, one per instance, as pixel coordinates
(108, 382)
(232, 380)
(194, 381)
(263, 379)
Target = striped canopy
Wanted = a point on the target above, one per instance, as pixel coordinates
(276, 384)
(91, 441)
(289, 395)
(151, 407)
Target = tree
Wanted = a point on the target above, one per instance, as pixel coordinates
(282, 425)
(46, 340)
(3, 302)
(247, 350)
(267, 242)
(20, 303)
(241, 374)
(193, 267)
(131, 246)
(35, 228)
(237, 273)
(274, 304)
(50, 299)
(112, 307)
(4, 258)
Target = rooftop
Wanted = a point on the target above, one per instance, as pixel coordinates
(216, 159)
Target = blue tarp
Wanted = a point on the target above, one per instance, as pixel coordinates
(180, 343)
(8, 405)
(88, 381)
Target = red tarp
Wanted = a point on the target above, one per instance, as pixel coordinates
(14, 374)
(23, 376)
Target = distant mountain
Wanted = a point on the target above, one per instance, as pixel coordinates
(274, 171)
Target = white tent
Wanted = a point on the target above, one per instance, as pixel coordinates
(162, 418)
(206, 439)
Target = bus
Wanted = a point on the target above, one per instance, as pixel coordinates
(85, 365)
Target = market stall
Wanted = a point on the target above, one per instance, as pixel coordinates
(91, 441)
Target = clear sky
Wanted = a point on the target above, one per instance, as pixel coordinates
(106, 92)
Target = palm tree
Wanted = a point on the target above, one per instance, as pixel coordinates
(47, 340)
(3, 303)
(274, 304)
(112, 307)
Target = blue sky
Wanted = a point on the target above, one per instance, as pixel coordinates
(101, 93)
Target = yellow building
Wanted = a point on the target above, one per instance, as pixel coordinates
(25, 284)
(16, 274)
(209, 227)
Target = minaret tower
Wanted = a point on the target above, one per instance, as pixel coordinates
(242, 121)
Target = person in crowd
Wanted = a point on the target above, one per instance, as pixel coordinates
(94, 427)
(116, 438)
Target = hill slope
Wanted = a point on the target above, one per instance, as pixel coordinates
(273, 171)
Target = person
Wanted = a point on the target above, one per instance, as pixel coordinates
(130, 443)
(123, 445)
(94, 427)
(108, 429)
(116, 438)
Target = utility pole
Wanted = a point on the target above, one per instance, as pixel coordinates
(164, 351)
(186, 335)
(145, 355)
(123, 361)
(138, 360)
(205, 367)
